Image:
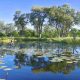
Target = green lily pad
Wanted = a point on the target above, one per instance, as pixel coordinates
(16, 67)
(2, 79)
(2, 67)
(7, 69)
(56, 60)
(1, 62)
(69, 62)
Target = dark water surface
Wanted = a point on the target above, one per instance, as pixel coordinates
(32, 61)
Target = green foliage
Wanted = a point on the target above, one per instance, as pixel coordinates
(37, 18)
(2, 26)
(49, 22)
(61, 17)
(49, 32)
(78, 33)
(2, 34)
(9, 28)
(20, 20)
(14, 34)
(27, 33)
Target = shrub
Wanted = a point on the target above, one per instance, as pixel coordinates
(2, 34)
(14, 34)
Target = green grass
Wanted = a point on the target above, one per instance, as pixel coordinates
(6, 39)
(68, 40)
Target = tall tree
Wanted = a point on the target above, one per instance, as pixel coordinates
(20, 20)
(37, 19)
(63, 17)
(9, 28)
(2, 26)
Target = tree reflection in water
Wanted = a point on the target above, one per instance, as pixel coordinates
(61, 67)
(22, 59)
(39, 64)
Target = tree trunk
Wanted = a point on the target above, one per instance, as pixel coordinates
(22, 31)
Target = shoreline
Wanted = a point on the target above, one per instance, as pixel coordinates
(68, 40)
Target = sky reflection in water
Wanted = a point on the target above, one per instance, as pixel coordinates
(20, 63)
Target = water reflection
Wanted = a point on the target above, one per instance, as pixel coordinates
(61, 67)
(41, 64)
(20, 59)
(44, 56)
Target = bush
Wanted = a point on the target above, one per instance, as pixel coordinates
(2, 34)
(14, 34)
(27, 33)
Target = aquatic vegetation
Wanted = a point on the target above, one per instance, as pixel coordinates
(7, 69)
(2, 79)
(56, 59)
(39, 58)
(3, 67)
(1, 62)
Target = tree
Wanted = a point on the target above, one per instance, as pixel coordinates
(14, 34)
(60, 19)
(9, 28)
(37, 19)
(49, 31)
(2, 27)
(74, 33)
(20, 20)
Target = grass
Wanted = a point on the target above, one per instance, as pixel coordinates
(68, 40)
(6, 39)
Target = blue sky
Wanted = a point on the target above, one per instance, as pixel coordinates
(8, 7)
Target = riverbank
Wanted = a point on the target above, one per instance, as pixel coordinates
(6, 39)
(68, 40)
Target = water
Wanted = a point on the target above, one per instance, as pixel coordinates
(31, 61)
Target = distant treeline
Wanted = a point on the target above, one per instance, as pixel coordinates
(48, 22)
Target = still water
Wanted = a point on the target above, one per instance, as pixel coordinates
(36, 61)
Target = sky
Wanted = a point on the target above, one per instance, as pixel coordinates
(8, 7)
